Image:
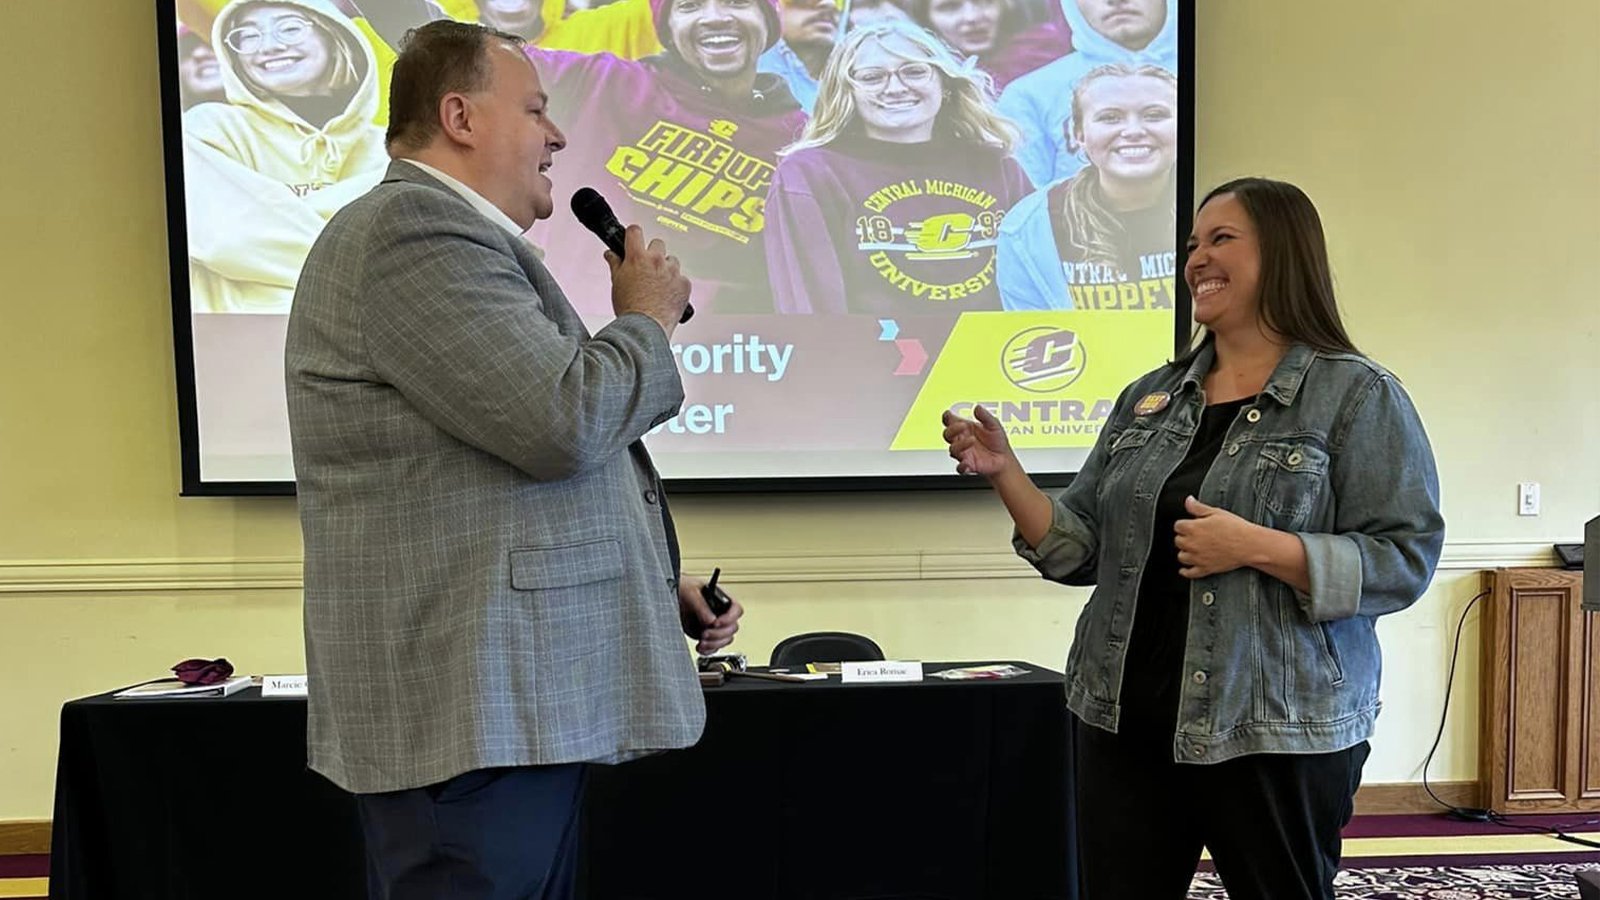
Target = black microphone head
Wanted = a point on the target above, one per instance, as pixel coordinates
(595, 214)
(591, 208)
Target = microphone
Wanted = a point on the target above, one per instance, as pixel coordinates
(595, 213)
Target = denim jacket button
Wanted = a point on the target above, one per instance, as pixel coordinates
(1198, 750)
(1253, 415)
(1208, 598)
(1294, 459)
(1233, 449)
(1199, 678)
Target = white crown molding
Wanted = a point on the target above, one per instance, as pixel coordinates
(118, 576)
(93, 576)
(1460, 555)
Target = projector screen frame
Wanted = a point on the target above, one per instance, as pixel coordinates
(193, 485)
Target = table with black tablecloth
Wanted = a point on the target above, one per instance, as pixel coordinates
(934, 789)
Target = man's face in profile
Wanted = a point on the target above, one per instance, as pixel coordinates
(518, 138)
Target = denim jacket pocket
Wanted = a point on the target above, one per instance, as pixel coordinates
(1290, 476)
(1330, 654)
(1124, 447)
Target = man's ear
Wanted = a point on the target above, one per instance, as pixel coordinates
(456, 118)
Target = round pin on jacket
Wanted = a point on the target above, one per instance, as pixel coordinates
(1150, 404)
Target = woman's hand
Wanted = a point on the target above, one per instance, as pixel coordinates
(1214, 541)
(1217, 541)
(979, 447)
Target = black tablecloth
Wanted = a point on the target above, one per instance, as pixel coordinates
(817, 790)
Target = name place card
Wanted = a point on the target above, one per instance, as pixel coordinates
(880, 671)
(283, 685)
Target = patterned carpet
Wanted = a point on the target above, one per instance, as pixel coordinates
(1510, 882)
(1430, 857)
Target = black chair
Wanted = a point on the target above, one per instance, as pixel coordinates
(1589, 884)
(825, 646)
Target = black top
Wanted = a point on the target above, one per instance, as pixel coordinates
(1154, 667)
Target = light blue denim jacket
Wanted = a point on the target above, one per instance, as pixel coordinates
(1332, 451)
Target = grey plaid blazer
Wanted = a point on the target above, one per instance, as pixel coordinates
(489, 576)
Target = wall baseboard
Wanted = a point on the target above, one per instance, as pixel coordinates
(1410, 798)
(30, 837)
(91, 576)
(24, 838)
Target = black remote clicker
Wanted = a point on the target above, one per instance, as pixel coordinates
(714, 596)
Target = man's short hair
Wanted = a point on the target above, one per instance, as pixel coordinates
(438, 58)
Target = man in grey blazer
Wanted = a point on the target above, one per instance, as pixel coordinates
(492, 594)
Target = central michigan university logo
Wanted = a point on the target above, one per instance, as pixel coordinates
(1043, 359)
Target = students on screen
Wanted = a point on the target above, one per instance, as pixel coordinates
(1106, 237)
(623, 27)
(891, 201)
(810, 29)
(199, 74)
(866, 12)
(682, 142)
(994, 34)
(1131, 32)
(293, 143)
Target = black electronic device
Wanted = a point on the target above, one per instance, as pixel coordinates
(714, 596)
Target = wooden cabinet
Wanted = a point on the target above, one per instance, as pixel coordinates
(1540, 747)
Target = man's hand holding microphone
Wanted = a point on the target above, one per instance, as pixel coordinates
(648, 281)
(644, 279)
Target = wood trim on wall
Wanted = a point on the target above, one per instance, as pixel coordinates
(76, 576)
(24, 838)
(1410, 798)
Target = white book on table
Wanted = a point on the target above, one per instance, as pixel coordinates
(170, 688)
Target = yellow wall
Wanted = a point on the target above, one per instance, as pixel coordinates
(1455, 157)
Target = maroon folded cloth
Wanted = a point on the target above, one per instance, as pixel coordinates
(203, 671)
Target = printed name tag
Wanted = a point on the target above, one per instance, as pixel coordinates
(882, 670)
(283, 685)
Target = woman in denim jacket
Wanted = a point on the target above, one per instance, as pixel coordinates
(1247, 513)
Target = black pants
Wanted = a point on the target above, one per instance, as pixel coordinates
(492, 834)
(1271, 821)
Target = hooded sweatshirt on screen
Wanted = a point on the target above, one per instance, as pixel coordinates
(865, 226)
(260, 180)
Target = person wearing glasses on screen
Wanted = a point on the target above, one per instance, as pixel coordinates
(294, 142)
(994, 32)
(1104, 238)
(1246, 515)
(1130, 32)
(891, 200)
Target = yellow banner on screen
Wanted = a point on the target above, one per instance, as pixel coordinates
(1050, 377)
